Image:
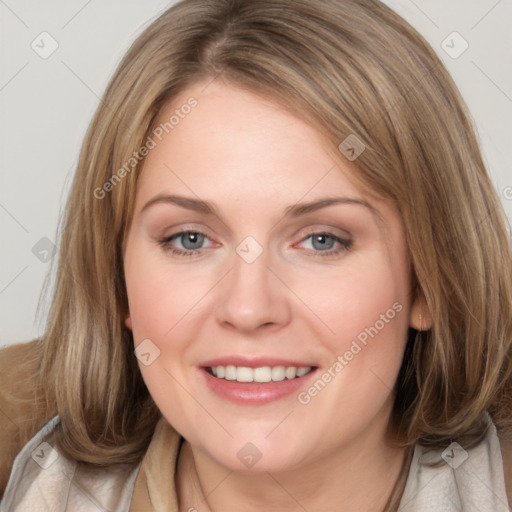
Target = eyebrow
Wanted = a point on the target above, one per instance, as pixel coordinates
(296, 210)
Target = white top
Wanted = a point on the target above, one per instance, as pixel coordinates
(42, 479)
(465, 481)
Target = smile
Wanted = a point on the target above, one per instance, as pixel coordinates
(256, 381)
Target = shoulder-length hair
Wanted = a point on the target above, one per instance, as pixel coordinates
(351, 67)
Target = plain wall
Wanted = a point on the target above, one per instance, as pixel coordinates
(47, 101)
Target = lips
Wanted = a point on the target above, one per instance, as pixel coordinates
(255, 381)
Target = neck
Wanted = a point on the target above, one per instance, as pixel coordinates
(360, 477)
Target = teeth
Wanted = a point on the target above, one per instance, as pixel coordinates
(302, 371)
(290, 372)
(244, 374)
(261, 374)
(230, 372)
(278, 373)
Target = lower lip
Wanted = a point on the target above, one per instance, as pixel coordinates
(254, 393)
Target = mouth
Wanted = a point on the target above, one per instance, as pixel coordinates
(256, 382)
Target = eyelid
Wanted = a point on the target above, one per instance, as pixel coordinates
(180, 227)
(323, 228)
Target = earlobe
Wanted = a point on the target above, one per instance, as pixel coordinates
(128, 321)
(420, 319)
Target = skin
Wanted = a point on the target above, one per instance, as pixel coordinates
(252, 159)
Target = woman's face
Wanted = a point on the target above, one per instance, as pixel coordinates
(269, 298)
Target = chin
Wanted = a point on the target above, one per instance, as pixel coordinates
(253, 457)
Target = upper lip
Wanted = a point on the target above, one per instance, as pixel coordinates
(253, 362)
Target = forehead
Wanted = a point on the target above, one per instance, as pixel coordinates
(240, 143)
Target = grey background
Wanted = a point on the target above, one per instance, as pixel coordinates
(47, 103)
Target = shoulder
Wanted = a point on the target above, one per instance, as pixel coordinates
(22, 409)
(455, 478)
(42, 474)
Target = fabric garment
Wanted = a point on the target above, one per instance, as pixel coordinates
(42, 479)
(466, 481)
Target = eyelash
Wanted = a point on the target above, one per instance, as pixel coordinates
(345, 244)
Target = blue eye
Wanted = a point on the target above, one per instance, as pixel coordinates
(323, 243)
(192, 240)
(192, 243)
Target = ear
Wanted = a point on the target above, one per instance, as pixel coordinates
(420, 318)
(128, 321)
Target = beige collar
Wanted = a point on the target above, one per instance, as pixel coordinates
(152, 492)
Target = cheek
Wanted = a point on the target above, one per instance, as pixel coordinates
(160, 302)
(370, 319)
(366, 311)
(158, 297)
(369, 293)
(368, 314)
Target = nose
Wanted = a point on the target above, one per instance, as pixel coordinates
(252, 297)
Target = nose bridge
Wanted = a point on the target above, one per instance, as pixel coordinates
(250, 266)
(251, 295)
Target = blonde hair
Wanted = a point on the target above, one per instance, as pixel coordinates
(346, 67)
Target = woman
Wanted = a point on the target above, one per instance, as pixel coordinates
(284, 280)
